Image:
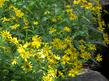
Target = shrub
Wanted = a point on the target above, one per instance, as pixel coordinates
(48, 40)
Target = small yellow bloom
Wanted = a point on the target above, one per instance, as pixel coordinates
(14, 40)
(27, 66)
(76, 2)
(52, 30)
(26, 45)
(35, 22)
(73, 72)
(68, 6)
(99, 58)
(78, 64)
(101, 24)
(82, 47)
(14, 27)
(48, 77)
(85, 55)
(87, 5)
(67, 29)
(6, 34)
(73, 16)
(52, 60)
(26, 22)
(18, 12)
(47, 50)
(69, 10)
(106, 38)
(91, 47)
(14, 62)
(52, 72)
(65, 59)
(36, 41)
(23, 53)
(4, 19)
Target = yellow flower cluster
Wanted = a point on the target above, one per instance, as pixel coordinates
(47, 42)
(58, 43)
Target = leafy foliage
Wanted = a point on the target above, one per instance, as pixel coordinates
(48, 40)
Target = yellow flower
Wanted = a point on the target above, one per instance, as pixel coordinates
(67, 29)
(15, 26)
(35, 22)
(82, 48)
(36, 41)
(101, 24)
(18, 12)
(57, 57)
(97, 8)
(52, 30)
(85, 55)
(1, 2)
(78, 64)
(106, 38)
(4, 19)
(68, 41)
(76, 2)
(65, 59)
(14, 40)
(6, 34)
(48, 77)
(73, 72)
(27, 66)
(47, 50)
(73, 16)
(24, 54)
(91, 47)
(26, 22)
(41, 54)
(52, 59)
(52, 72)
(69, 10)
(99, 58)
(72, 53)
(14, 62)
(61, 74)
(87, 5)
(26, 45)
(68, 6)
